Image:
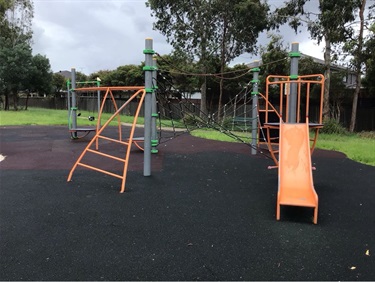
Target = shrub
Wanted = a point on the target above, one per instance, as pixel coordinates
(193, 120)
(332, 126)
(367, 134)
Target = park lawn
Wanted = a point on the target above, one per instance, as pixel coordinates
(40, 116)
(355, 147)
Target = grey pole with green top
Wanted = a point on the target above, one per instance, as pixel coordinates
(98, 97)
(294, 57)
(154, 115)
(148, 68)
(73, 109)
(254, 93)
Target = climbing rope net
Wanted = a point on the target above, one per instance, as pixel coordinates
(178, 114)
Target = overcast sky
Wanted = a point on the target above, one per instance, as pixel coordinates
(93, 35)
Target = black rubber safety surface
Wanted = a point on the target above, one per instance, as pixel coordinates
(207, 212)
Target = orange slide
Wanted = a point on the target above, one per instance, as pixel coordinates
(296, 187)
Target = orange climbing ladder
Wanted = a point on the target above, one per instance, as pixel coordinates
(296, 187)
(93, 151)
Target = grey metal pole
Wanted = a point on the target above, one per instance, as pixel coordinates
(294, 55)
(68, 88)
(74, 101)
(148, 68)
(254, 93)
(98, 98)
(154, 115)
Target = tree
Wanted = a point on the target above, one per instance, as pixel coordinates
(178, 69)
(330, 26)
(188, 27)
(339, 94)
(104, 76)
(58, 83)
(369, 81)
(204, 28)
(237, 78)
(355, 46)
(128, 75)
(80, 77)
(274, 58)
(15, 67)
(16, 20)
(236, 30)
(15, 53)
(41, 77)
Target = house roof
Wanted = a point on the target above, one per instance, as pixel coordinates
(65, 73)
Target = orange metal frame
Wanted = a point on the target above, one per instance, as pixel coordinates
(140, 92)
(304, 82)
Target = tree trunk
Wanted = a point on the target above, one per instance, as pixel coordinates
(221, 87)
(203, 113)
(357, 58)
(222, 66)
(15, 100)
(6, 102)
(27, 101)
(327, 76)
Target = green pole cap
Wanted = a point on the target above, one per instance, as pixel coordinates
(294, 76)
(255, 70)
(150, 68)
(154, 142)
(294, 54)
(148, 51)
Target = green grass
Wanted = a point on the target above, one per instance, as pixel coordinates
(217, 135)
(39, 116)
(354, 146)
(358, 147)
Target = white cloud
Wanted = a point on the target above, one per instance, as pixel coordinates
(93, 35)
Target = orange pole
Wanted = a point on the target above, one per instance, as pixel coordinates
(131, 140)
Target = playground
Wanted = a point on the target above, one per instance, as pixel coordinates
(207, 212)
(122, 203)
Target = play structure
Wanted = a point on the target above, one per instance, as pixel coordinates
(270, 116)
(100, 134)
(288, 133)
(144, 98)
(284, 129)
(75, 130)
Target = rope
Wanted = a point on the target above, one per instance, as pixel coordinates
(209, 122)
(218, 75)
